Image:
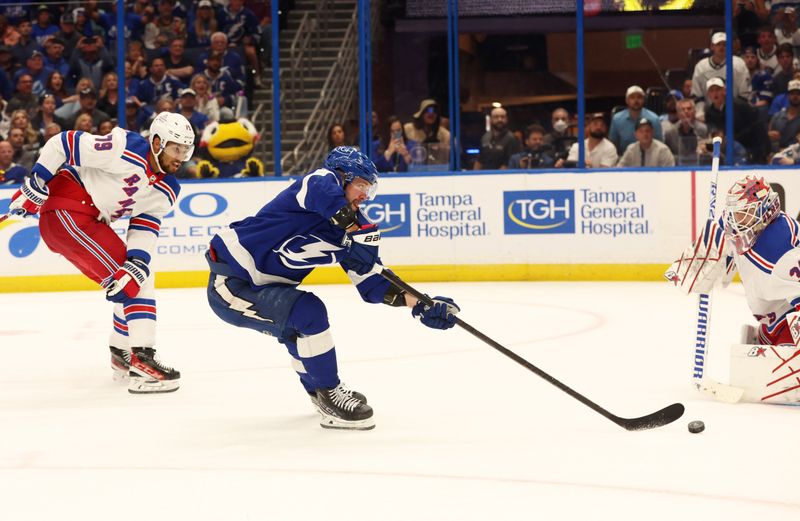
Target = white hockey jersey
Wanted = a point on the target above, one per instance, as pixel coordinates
(770, 272)
(114, 171)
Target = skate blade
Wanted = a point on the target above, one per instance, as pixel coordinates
(140, 385)
(331, 422)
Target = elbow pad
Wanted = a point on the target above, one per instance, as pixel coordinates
(345, 217)
(394, 297)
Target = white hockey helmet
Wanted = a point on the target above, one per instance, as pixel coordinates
(750, 205)
(172, 127)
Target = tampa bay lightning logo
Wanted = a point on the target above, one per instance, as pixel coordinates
(24, 241)
(301, 252)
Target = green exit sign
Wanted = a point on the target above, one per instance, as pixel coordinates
(633, 41)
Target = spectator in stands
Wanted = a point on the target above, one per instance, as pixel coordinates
(241, 27)
(84, 123)
(91, 60)
(20, 120)
(10, 172)
(134, 26)
(336, 136)
(205, 24)
(22, 155)
(7, 63)
(26, 44)
(426, 130)
(682, 137)
(230, 59)
(714, 67)
(109, 94)
(686, 89)
(178, 66)
(144, 8)
(37, 71)
(670, 116)
(786, 70)
(55, 87)
(72, 104)
(760, 82)
(767, 51)
(186, 106)
(43, 28)
(624, 122)
(748, 17)
(165, 27)
(786, 26)
(67, 33)
(784, 126)
(24, 97)
(535, 154)
(8, 33)
(135, 57)
(559, 140)
(206, 101)
(158, 83)
(748, 129)
(498, 144)
(105, 127)
(646, 151)
(54, 55)
(705, 150)
(223, 85)
(789, 155)
(395, 156)
(134, 118)
(46, 115)
(88, 106)
(52, 129)
(164, 104)
(600, 151)
(85, 25)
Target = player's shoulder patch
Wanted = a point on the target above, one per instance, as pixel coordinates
(777, 238)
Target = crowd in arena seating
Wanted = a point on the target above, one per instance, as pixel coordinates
(58, 68)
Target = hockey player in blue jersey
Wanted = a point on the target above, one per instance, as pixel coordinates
(257, 263)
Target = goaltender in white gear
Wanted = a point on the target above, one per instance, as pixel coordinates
(763, 243)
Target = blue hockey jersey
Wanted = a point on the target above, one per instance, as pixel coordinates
(292, 234)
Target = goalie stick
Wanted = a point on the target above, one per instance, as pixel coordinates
(708, 386)
(650, 421)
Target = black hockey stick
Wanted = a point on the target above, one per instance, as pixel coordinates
(657, 419)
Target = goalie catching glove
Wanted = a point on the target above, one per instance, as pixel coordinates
(705, 263)
(441, 314)
(29, 198)
(128, 280)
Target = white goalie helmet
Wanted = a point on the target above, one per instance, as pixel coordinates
(171, 127)
(750, 206)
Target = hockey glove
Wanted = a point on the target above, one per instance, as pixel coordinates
(29, 198)
(440, 315)
(705, 263)
(128, 280)
(362, 254)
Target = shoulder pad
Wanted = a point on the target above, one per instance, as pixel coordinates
(777, 238)
(170, 187)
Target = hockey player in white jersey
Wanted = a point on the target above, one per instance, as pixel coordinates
(81, 184)
(257, 264)
(757, 238)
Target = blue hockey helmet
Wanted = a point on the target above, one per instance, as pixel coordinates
(352, 163)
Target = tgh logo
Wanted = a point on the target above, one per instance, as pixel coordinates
(392, 213)
(539, 211)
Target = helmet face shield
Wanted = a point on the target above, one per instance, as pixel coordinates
(365, 187)
(183, 152)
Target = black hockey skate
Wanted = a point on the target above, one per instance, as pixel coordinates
(148, 375)
(355, 394)
(342, 409)
(120, 363)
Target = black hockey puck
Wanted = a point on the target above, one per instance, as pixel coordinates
(696, 426)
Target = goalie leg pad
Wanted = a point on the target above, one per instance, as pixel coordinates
(768, 374)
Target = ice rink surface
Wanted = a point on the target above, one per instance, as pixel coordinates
(463, 433)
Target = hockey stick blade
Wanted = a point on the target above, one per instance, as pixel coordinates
(3, 217)
(660, 418)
